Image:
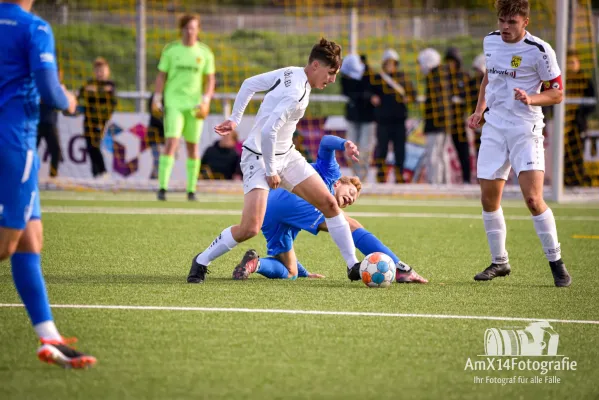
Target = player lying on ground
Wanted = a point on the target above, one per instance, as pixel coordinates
(28, 71)
(288, 214)
(518, 64)
(269, 159)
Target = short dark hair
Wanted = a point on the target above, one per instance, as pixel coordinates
(509, 8)
(327, 52)
(186, 19)
(572, 53)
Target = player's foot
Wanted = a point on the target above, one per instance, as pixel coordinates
(161, 195)
(409, 276)
(197, 273)
(191, 196)
(561, 277)
(353, 273)
(493, 271)
(59, 353)
(248, 265)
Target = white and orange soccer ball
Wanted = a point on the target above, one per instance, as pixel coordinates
(377, 270)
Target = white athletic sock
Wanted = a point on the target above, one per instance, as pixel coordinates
(222, 244)
(339, 230)
(47, 330)
(496, 233)
(547, 232)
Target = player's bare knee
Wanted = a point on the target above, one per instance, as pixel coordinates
(329, 207)
(534, 203)
(7, 249)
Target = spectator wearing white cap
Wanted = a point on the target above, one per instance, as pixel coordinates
(393, 91)
(359, 112)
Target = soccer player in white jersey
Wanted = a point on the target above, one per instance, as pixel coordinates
(518, 65)
(269, 159)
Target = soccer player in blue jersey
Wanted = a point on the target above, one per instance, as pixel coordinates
(28, 70)
(288, 214)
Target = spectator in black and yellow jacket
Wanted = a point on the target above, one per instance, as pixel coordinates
(97, 99)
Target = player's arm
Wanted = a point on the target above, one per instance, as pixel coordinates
(209, 79)
(159, 83)
(329, 144)
(42, 60)
(249, 87)
(551, 78)
(481, 104)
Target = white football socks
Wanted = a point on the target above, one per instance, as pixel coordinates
(222, 244)
(547, 232)
(339, 230)
(47, 330)
(496, 234)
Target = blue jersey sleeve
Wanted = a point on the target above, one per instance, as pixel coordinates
(50, 90)
(41, 47)
(326, 164)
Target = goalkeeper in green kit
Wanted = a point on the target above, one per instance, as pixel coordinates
(186, 77)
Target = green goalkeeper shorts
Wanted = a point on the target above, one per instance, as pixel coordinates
(182, 122)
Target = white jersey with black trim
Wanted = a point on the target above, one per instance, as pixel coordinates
(286, 100)
(524, 65)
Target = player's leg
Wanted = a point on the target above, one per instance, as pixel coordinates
(173, 127)
(192, 132)
(301, 179)
(531, 184)
(252, 216)
(493, 169)
(21, 241)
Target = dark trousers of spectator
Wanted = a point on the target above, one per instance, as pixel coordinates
(394, 132)
(460, 143)
(95, 155)
(49, 133)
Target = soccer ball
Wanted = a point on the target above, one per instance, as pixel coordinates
(377, 270)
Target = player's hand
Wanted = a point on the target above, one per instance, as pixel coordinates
(273, 181)
(351, 150)
(225, 128)
(522, 96)
(474, 120)
(72, 101)
(202, 110)
(315, 276)
(156, 108)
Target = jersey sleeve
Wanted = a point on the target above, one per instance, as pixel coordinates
(547, 66)
(41, 47)
(255, 84)
(210, 67)
(164, 63)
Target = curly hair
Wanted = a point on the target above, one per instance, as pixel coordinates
(327, 52)
(508, 8)
(351, 180)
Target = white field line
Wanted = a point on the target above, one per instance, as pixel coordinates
(366, 201)
(311, 312)
(195, 211)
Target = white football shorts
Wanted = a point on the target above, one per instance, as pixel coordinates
(292, 167)
(505, 144)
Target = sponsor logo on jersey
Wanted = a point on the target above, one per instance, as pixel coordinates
(47, 57)
(199, 60)
(507, 72)
(516, 60)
